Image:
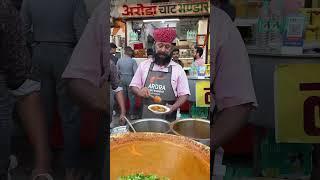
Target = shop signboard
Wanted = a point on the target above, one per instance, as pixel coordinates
(203, 93)
(297, 103)
(186, 8)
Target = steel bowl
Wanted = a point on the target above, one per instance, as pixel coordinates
(196, 129)
(150, 125)
(164, 155)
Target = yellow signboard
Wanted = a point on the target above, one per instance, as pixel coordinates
(203, 93)
(297, 102)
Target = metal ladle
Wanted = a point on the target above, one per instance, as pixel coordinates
(130, 124)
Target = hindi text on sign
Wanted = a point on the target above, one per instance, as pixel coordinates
(168, 9)
(140, 10)
(185, 8)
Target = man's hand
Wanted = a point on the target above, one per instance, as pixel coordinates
(228, 123)
(122, 119)
(84, 93)
(172, 109)
(144, 92)
(178, 103)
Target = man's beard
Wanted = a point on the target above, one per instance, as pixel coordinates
(161, 58)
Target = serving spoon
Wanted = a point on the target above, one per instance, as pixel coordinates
(130, 124)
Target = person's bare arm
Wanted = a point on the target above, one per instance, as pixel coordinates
(183, 91)
(228, 123)
(143, 92)
(121, 102)
(180, 101)
(86, 94)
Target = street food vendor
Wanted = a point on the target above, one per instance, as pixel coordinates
(160, 76)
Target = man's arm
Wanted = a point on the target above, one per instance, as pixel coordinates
(83, 72)
(121, 101)
(183, 90)
(228, 123)
(86, 94)
(180, 101)
(232, 87)
(143, 92)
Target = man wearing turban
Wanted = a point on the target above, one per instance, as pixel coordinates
(232, 89)
(89, 72)
(160, 76)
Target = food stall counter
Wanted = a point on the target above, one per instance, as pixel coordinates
(192, 85)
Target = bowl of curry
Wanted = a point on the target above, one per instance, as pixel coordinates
(165, 156)
(158, 108)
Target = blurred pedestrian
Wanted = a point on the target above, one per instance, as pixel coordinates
(175, 54)
(127, 68)
(55, 28)
(18, 78)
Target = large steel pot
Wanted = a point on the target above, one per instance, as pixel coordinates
(150, 125)
(164, 155)
(196, 129)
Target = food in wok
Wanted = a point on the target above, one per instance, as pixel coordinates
(141, 176)
(163, 155)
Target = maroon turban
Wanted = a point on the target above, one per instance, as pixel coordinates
(166, 35)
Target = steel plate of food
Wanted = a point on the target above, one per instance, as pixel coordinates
(157, 155)
(158, 108)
